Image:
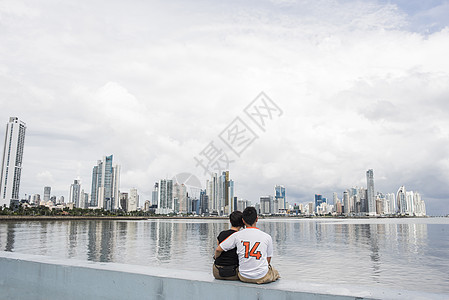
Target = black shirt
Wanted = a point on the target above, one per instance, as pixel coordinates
(227, 258)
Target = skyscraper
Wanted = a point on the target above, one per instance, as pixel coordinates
(346, 205)
(12, 161)
(133, 200)
(279, 197)
(75, 194)
(105, 184)
(204, 202)
(212, 193)
(165, 203)
(47, 193)
(266, 203)
(84, 200)
(371, 196)
(180, 193)
(124, 201)
(401, 200)
(318, 201)
(231, 205)
(155, 193)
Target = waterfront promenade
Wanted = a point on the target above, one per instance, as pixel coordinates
(27, 276)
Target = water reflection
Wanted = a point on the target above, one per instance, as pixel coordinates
(164, 240)
(10, 237)
(379, 252)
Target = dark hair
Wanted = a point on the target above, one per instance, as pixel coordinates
(236, 219)
(249, 215)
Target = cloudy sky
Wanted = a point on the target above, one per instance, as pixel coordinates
(362, 84)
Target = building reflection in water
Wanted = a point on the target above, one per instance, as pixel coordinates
(72, 238)
(101, 240)
(10, 232)
(164, 239)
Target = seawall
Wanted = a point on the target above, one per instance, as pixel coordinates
(24, 276)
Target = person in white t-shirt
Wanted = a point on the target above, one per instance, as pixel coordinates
(254, 249)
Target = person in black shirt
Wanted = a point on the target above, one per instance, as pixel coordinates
(226, 265)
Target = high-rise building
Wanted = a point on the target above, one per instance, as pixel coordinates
(124, 201)
(401, 200)
(224, 203)
(346, 204)
(12, 161)
(204, 203)
(84, 200)
(220, 191)
(335, 198)
(155, 193)
(279, 197)
(265, 204)
(75, 194)
(318, 201)
(410, 199)
(36, 199)
(371, 196)
(146, 206)
(420, 206)
(230, 196)
(242, 204)
(47, 193)
(392, 201)
(133, 200)
(165, 203)
(180, 196)
(105, 184)
(212, 193)
(195, 206)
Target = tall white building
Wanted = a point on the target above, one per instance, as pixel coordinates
(12, 161)
(401, 201)
(212, 191)
(392, 202)
(133, 200)
(371, 196)
(105, 185)
(75, 194)
(420, 206)
(335, 198)
(165, 203)
(180, 197)
(84, 200)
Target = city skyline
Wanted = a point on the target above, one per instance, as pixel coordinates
(169, 197)
(362, 84)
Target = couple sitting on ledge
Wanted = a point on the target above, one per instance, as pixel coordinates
(244, 255)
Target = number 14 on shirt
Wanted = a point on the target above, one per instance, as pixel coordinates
(253, 252)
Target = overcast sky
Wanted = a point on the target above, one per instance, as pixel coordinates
(361, 84)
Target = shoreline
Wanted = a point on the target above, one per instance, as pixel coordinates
(123, 218)
(142, 218)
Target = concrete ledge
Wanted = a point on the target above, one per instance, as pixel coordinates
(24, 276)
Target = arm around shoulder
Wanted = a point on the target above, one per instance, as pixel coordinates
(218, 252)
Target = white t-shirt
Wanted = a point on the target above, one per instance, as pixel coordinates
(253, 248)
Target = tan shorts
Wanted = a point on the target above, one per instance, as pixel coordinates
(272, 275)
(217, 275)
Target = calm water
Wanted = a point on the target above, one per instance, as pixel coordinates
(398, 253)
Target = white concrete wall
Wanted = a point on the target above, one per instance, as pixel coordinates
(25, 276)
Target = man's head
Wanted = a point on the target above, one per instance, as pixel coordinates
(236, 219)
(249, 216)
